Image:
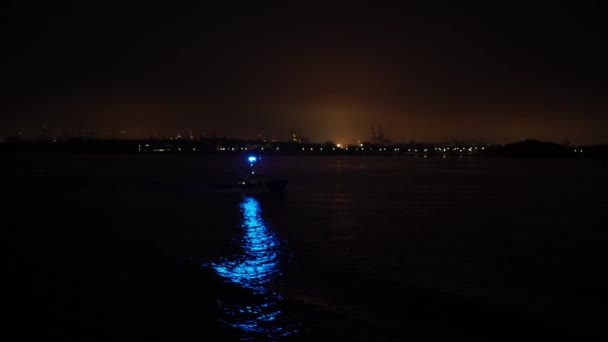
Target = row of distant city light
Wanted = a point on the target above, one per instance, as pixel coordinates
(333, 149)
(362, 148)
(232, 148)
(161, 149)
(338, 146)
(169, 150)
(242, 149)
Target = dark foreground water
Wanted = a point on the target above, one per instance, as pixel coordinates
(359, 248)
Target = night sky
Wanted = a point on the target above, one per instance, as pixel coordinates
(488, 71)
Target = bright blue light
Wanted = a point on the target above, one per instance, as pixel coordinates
(252, 159)
(258, 264)
(255, 268)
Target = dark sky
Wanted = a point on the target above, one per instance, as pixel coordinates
(430, 71)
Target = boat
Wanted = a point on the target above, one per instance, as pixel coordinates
(255, 182)
(251, 183)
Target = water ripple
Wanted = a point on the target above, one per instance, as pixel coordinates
(255, 267)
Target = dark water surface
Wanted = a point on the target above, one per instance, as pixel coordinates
(359, 248)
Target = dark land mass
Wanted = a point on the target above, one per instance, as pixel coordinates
(535, 148)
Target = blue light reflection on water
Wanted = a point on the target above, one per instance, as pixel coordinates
(255, 268)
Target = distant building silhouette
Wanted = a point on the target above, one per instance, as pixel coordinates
(378, 137)
(297, 137)
(261, 136)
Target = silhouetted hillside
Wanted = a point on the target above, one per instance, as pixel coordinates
(530, 148)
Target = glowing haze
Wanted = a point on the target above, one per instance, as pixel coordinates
(437, 72)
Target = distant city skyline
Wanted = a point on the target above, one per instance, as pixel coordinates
(46, 132)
